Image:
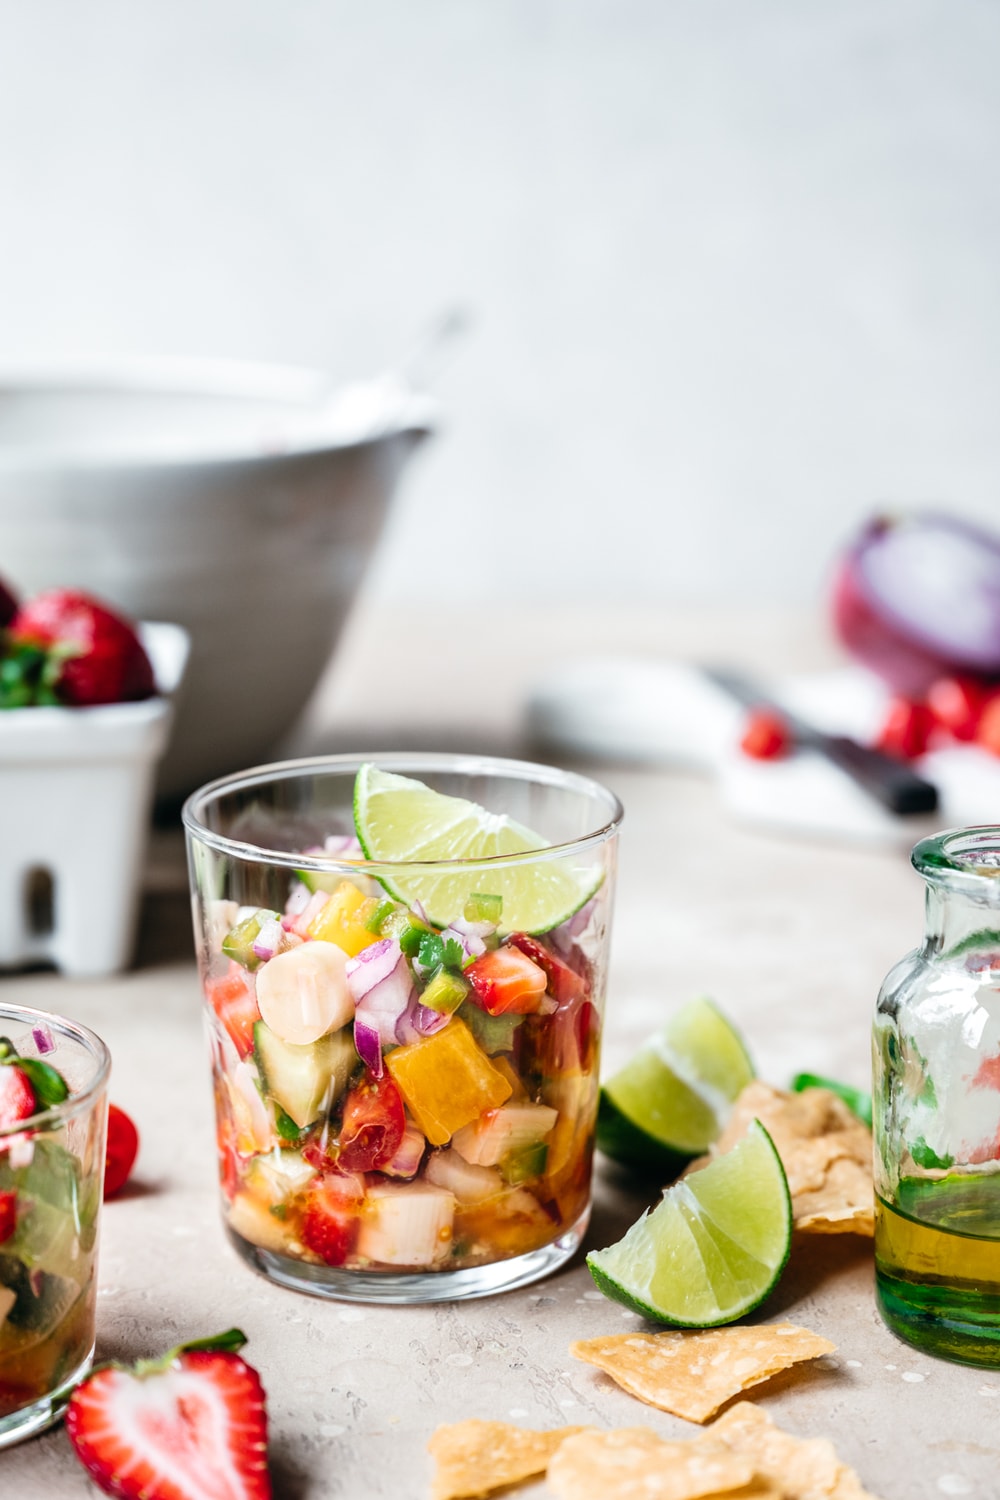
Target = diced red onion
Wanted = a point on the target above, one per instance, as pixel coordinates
(371, 966)
(311, 910)
(343, 844)
(270, 939)
(381, 985)
(419, 911)
(407, 1159)
(470, 936)
(42, 1038)
(298, 899)
(563, 938)
(369, 1046)
(427, 1020)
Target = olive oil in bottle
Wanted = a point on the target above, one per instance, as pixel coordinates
(937, 1265)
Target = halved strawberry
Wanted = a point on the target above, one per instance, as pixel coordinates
(189, 1426)
(17, 1097)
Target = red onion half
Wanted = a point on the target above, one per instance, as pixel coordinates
(918, 598)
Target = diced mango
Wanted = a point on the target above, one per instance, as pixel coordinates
(446, 1081)
(342, 919)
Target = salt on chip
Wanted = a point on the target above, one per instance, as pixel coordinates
(632, 1463)
(475, 1458)
(693, 1374)
(825, 1149)
(797, 1468)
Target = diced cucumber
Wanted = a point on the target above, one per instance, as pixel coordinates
(525, 1163)
(305, 1081)
(445, 991)
(239, 940)
(483, 907)
(493, 1033)
(380, 916)
(278, 1175)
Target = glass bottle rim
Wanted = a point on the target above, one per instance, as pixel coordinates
(193, 813)
(963, 860)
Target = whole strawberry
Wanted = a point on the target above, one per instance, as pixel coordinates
(78, 652)
(189, 1426)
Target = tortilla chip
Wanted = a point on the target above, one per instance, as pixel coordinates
(632, 1463)
(693, 1374)
(797, 1468)
(475, 1458)
(826, 1152)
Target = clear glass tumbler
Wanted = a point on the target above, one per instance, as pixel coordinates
(936, 1110)
(405, 1054)
(51, 1185)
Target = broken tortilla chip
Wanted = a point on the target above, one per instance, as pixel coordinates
(825, 1150)
(632, 1463)
(474, 1458)
(693, 1374)
(797, 1468)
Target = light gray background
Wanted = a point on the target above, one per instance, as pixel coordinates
(733, 263)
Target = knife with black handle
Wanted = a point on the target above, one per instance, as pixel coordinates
(889, 781)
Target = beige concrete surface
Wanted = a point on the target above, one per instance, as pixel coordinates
(791, 938)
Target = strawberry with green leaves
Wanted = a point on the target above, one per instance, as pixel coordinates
(189, 1426)
(66, 648)
(27, 1086)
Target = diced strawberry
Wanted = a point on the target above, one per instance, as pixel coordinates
(94, 654)
(563, 982)
(507, 981)
(906, 729)
(122, 1148)
(957, 704)
(234, 1001)
(190, 1425)
(8, 1215)
(17, 1097)
(332, 1216)
(766, 736)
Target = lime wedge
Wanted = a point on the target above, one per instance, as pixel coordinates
(671, 1100)
(714, 1247)
(399, 820)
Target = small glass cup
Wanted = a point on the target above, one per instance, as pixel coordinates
(390, 1127)
(51, 1186)
(936, 1111)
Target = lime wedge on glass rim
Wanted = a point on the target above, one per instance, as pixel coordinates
(399, 820)
(713, 1248)
(671, 1100)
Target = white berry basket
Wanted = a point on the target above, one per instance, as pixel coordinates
(76, 789)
